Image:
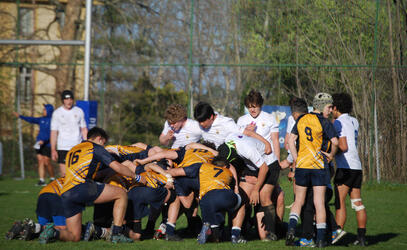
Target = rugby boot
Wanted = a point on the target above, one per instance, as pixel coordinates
(28, 229)
(89, 231)
(15, 231)
(48, 235)
(120, 238)
(204, 234)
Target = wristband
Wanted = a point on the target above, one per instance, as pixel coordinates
(137, 178)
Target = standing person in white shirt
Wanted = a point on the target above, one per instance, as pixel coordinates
(348, 177)
(266, 126)
(216, 127)
(178, 129)
(68, 128)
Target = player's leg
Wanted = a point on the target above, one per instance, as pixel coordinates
(340, 215)
(320, 213)
(41, 169)
(49, 168)
(361, 216)
(73, 229)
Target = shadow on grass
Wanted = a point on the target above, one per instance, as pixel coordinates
(4, 194)
(349, 238)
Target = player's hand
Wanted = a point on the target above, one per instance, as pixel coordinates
(251, 126)
(250, 179)
(169, 185)
(139, 162)
(16, 114)
(291, 176)
(54, 155)
(329, 157)
(40, 142)
(142, 180)
(267, 149)
(170, 134)
(254, 197)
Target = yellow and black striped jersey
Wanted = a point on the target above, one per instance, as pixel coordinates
(120, 181)
(55, 187)
(123, 150)
(314, 134)
(191, 156)
(212, 177)
(82, 163)
(153, 179)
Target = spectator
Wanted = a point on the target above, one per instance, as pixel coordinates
(68, 128)
(42, 145)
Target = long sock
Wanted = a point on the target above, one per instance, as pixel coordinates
(98, 232)
(293, 220)
(361, 233)
(321, 228)
(236, 231)
(170, 230)
(117, 230)
(270, 218)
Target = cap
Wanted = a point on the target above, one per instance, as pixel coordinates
(66, 94)
(321, 100)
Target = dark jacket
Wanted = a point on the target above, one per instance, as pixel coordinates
(45, 124)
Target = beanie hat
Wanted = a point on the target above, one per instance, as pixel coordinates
(321, 100)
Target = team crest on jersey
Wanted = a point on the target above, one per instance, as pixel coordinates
(187, 136)
(263, 124)
(240, 136)
(217, 131)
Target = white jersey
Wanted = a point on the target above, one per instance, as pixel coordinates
(68, 123)
(221, 127)
(265, 125)
(348, 126)
(190, 132)
(290, 124)
(250, 149)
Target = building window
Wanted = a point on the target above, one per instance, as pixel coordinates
(26, 21)
(25, 84)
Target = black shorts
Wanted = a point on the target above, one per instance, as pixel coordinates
(350, 177)
(311, 177)
(50, 209)
(77, 198)
(44, 150)
(273, 174)
(140, 198)
(62, 155)
(215, 203)
(185, 185)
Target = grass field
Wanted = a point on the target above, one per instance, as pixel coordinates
(386, 208)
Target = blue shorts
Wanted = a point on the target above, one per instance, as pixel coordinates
(140, 197)
(77, 198)
(185, 185)
(216, 203)
(50, 209)
(311, 177)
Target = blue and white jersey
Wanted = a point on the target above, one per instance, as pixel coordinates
(348, 126)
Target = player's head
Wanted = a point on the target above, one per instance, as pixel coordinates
(342, 103)
(253, 102)
(98, 135)
(204, 114)
(209, 144)
(226, 152)
(323, 103)
(298, 107)
(175, 114)
(67, 98)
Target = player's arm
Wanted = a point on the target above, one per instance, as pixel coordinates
(291, 146)
(195, 145)
(167, 154)
(343, 144)
(123, 170)
(174, 172)
(276, 144)
(234, 173)
(334, 149)
(140, 145)
(130, 165)
(53, 139)
(255, 194)
(84, 132)
(165, 139)
(253, 134)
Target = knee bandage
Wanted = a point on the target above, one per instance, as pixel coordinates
(355, 207)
